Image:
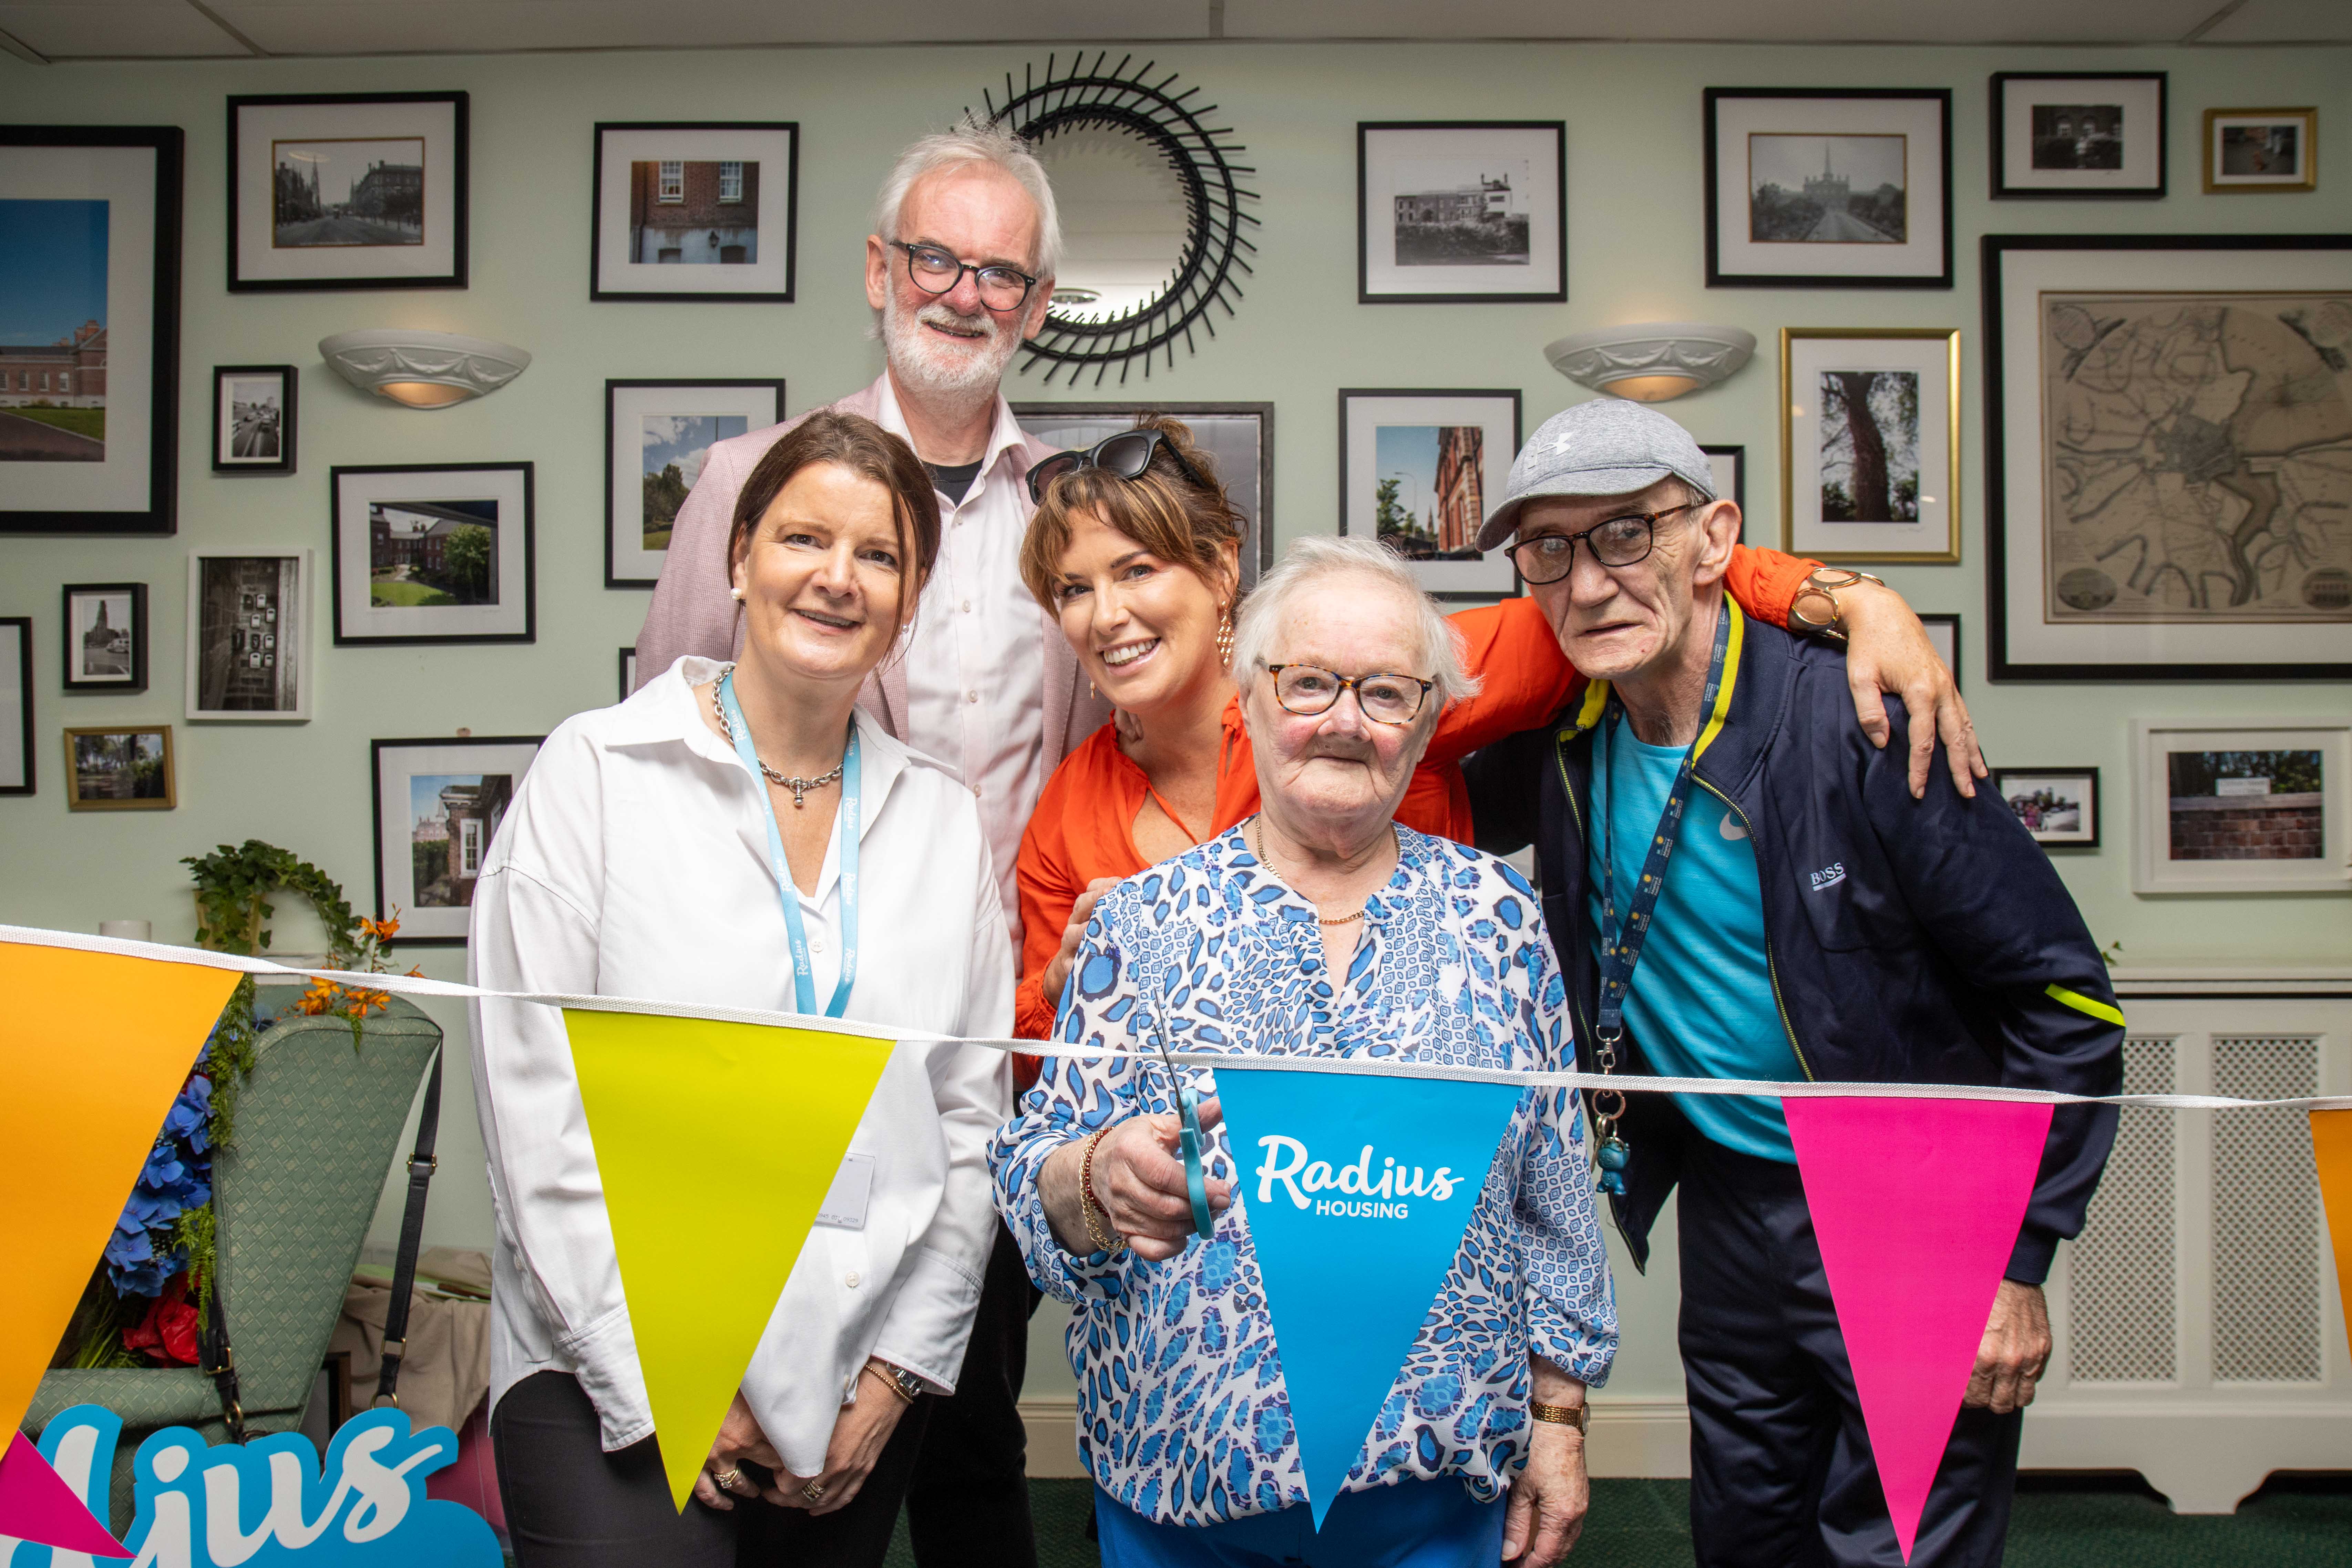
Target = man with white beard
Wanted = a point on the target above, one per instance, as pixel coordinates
(959, 270)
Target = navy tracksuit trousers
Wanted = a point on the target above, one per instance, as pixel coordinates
(1781, 1475)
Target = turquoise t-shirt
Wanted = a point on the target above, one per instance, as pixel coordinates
(1701, 1003)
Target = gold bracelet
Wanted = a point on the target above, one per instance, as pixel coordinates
(888, 1381)
(1576, 1416)
(1098, 1231)
(1831, 626)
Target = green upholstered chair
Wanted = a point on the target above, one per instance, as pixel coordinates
(317, 1125)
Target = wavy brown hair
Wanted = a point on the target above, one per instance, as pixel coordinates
(855, 443)
(1163, 510)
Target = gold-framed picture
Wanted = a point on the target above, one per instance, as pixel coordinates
(1870, 443)
(120, 767)
(2261, 149)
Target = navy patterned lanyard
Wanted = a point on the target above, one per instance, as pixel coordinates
(1622, 938)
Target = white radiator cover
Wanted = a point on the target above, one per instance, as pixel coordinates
(2198, 1334)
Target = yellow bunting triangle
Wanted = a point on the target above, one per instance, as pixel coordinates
(2331, 1150)
(93, 1049)
(691, 1117)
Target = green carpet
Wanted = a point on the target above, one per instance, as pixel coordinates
(2069, 1521)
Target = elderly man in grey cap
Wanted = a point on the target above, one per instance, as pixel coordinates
(1742, 883)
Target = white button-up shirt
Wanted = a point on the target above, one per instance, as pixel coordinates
(976, 666)
(635, 863)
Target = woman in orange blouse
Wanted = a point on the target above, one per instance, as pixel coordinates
(1143, 574)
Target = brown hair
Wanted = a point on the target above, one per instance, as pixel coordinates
(854, 442)
(1164, 510)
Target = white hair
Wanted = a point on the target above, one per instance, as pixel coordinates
(975, 142)
(1320, 559)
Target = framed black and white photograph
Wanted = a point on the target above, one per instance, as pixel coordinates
(2168, 456)
(121, 768)
(2078, 135)
(90, 328)
(1727, 466)
(1237, 437)
(2060, 806)
(249, 652)
(629, 674)
(2261, 149)
(434, 553)
(253, 418)
(695, 211)
(1416, 470)
(1828, 188)
(347, 190)
(105, 626)
(438, 803)
(1870, 456)
(16, 705)
(2242, 806)
(656, 435)
(1468, 212)
(1944, 635)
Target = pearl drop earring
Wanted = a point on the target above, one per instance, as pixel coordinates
(737, 593)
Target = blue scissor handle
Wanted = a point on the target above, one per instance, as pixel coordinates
(1196, 1181)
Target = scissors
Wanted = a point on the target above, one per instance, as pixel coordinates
(1188, 1138)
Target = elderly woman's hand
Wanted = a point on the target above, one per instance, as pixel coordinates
(1139, 1178)
(1887, 651)
(1549, 1496)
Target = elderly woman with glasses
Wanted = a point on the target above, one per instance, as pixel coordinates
(1318, 927)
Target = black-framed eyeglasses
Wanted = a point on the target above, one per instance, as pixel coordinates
(1307, 691)
(936, 271)
(1126, 454)
(1614, 541)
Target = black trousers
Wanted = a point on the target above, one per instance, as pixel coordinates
(969, 1504)
(1781, 1466)
(570, 1505)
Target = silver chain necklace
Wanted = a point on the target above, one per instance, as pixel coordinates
(797, 786)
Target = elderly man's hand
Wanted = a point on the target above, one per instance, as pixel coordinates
(2015, 1350)
(1887, 651)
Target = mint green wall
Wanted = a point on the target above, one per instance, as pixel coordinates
(1634, 253)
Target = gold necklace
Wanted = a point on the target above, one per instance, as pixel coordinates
(1257, 847)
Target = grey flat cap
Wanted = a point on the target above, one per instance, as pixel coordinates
(1608, 446)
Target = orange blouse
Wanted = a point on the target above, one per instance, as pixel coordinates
(1083, 827)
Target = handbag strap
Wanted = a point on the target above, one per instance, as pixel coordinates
(422, 1163)
(216, 1360)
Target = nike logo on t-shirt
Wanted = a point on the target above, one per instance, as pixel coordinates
(1731, 827)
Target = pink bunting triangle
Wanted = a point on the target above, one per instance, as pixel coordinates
(36, 1505)
(1916, 1205)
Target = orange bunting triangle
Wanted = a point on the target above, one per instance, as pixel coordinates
(2331, 1151)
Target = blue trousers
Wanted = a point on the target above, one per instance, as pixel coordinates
(1411, 1524)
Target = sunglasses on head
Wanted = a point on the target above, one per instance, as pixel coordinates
(1126, 454)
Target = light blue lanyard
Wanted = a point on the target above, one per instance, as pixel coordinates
(804, 977)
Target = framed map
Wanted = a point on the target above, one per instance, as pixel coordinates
(2169, 435)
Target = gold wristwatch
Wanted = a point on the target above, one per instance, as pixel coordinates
(1819, 583)
(1576, 1416)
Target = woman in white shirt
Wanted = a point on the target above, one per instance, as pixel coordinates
(644, 856)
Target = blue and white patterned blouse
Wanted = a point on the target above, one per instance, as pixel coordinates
(1182, 1414)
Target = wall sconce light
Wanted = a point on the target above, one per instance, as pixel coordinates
(1653, 360)
(420, 369)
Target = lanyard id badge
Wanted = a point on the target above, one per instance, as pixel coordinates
(796, 929)
(1622, 937)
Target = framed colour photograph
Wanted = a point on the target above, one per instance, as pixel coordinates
(2261, 149)
(2060, 806)
(1415, 471)
(1461, 211)
(249, 635)
(438, 803)
(347, 190)
(1829, 187)
(121, 768)
(692, 211)
(656, 435)
(2085, 134)
(1870, 453)
(105, 627)
(90, 347)
(433, 552)
(1944, 634)
(2242, 806)
(253, 418)
(2168, 456)
(1237, 437)
(16, 705)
